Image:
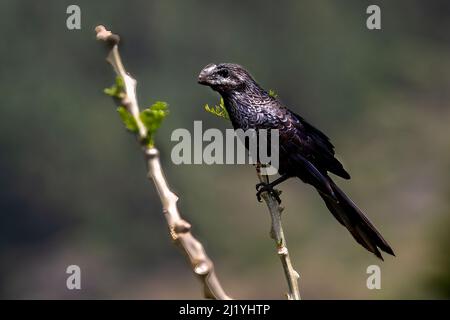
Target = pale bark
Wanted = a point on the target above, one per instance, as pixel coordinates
(276, 233)
(180, 229)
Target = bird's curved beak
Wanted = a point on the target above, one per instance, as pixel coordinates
(204, 76)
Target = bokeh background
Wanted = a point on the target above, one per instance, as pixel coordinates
(72, 181)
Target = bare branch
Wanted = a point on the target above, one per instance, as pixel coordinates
(276, 233)
(180, 229)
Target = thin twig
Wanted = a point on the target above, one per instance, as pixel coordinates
(179, 228)
(276, 233)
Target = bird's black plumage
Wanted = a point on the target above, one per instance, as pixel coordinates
(305, 152)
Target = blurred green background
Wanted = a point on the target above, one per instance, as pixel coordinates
(72, 181)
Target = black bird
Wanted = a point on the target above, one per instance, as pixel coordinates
(304, 151)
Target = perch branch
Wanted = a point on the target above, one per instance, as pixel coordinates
(180, 229)
(276, 233)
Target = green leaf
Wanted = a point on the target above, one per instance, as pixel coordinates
(218, 110)
(152, 118)
(160, 105)
(272, 93)
(117, 90)
(127, 119)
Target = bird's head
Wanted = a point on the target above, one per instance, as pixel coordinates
(226, 77)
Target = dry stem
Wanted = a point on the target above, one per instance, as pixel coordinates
(276, 233)
(179, 228)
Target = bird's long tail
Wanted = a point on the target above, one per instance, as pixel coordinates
(350, 216)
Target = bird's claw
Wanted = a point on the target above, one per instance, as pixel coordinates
(266, 187)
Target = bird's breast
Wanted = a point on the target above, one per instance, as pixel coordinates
(246, 115)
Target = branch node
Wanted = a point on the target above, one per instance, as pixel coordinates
(283, 251)
(182, 226)
(152, 152)
(126, 103)
(106, 35)
(202, 268)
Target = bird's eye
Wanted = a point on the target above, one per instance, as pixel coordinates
(223, 73)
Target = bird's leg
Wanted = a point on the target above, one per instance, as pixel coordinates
(269, 187)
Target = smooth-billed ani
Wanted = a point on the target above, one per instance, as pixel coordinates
(304, 151)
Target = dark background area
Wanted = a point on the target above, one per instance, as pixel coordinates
(72, 181)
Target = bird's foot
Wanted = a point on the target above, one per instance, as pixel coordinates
(267, 187)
